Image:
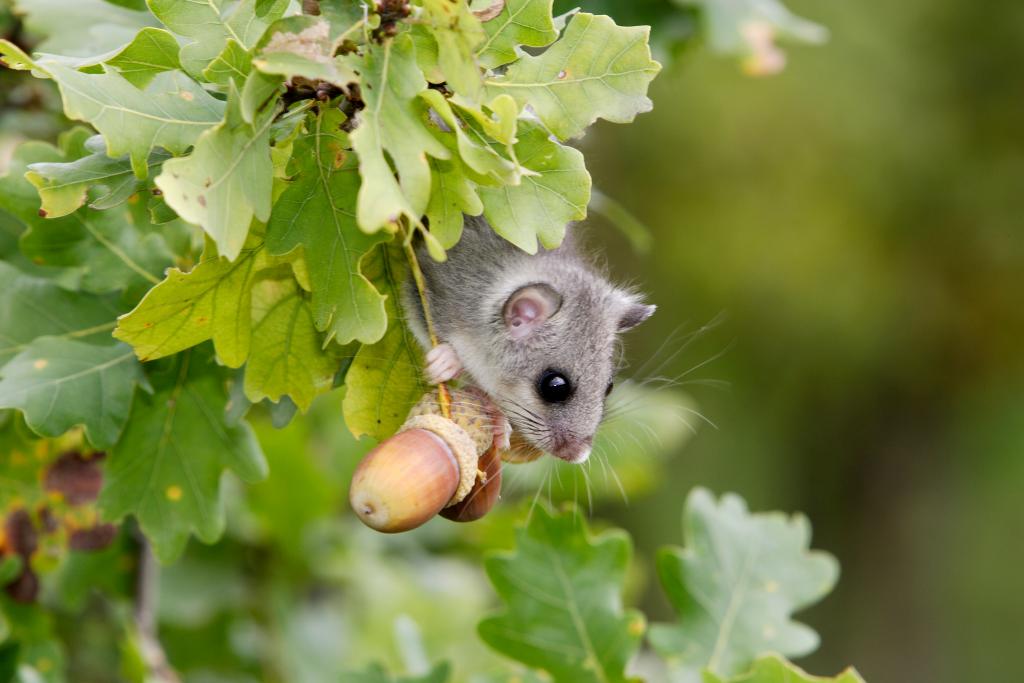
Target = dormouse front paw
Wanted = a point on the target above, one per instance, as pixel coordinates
(502, 431)
(443, 364)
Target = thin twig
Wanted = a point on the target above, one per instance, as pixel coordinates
(444, 399)
(147, 595)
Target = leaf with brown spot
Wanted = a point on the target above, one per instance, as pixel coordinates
(178, 441)
(212, 301)
(235, 156)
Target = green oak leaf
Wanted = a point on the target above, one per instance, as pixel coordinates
(59, 383)
(344, 16)
(453, 195)
(392, 125)
(103, 250)
(596, 70)
(376, 673)
(475, 150)
(287, 356)
(775, 669)
(72, 142)
(166, 468)
(259, 94)
(212, 23)
(212, 301)
(735, 585)
(385, 379)
(226, 181)
(32, 307)
(63, 185)
(521, 22)
(498, 120)
(316, 211)
(425, 48)
(232, 64)
(541, 205)
(171, 112)
(562, 590)
(457, 33)
(83, 28)
(151, 52)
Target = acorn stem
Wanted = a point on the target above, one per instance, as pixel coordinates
(444, 399)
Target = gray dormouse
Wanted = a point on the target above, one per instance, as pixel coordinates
(537, 333)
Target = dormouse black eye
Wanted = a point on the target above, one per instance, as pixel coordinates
(608, 389)
(554, 387)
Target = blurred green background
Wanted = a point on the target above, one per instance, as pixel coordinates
(837, 264)
(858, 220)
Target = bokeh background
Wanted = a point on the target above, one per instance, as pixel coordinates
(857, 218)
(838, 266)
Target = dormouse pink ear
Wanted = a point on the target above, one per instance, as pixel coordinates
(528, 308)
(635, 314)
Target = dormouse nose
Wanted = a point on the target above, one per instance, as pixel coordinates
(574, 451)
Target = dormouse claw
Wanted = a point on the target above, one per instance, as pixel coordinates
(443, 364)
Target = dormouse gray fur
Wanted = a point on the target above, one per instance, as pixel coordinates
(528, 329)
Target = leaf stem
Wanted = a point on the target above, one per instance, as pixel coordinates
(444, 398)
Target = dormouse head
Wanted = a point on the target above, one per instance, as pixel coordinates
(558, 357)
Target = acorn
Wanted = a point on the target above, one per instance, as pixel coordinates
(432, 463)
(484, 494)
(404, 481)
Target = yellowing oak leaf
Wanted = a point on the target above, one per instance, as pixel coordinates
(543, 203)
(227, 179)
(287, 356)
(385, 379)
(453, 197)
(62, 185)
(473, 145)
(212, 301)
(456, 33)
(393, 125)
